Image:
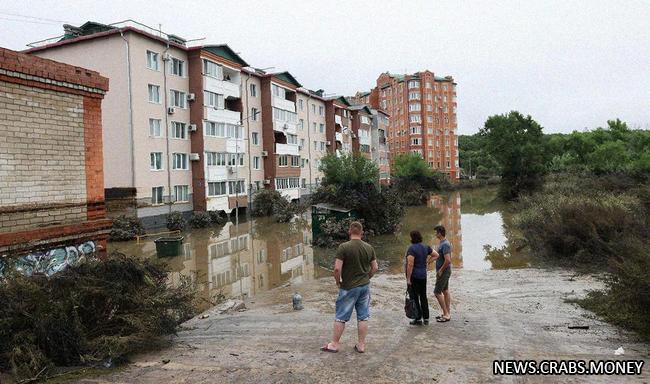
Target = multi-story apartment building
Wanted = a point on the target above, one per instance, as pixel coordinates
(422, 110)
(379, 150)
(146, 113)
(196, 128)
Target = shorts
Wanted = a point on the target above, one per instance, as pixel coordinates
(442, 282)
(357, 298)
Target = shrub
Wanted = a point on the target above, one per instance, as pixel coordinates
(200, 220)
(176, 221)
(334, 232)
(126, 228)
(86, 314)
(271, 203)
(218, 217)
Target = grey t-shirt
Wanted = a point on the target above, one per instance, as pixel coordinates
(443, 248)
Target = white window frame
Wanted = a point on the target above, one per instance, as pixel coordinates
(213, 187)
(208, 65)
(184, 193)
(256, 163)
(253, 90)
(255, 138)
(177, 99)
(179, 158)
(156, 88)
(155, 126)
(155, 158)
(154, 195)
(153, 58)
(173, 128)
(177, 67)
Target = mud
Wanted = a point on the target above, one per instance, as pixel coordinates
(496, 314)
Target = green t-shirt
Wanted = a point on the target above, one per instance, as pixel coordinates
(356, 256)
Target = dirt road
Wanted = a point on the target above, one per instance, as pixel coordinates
(508, 314)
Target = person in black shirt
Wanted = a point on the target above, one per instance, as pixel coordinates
(418, 256)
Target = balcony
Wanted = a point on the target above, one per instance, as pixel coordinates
(235, 146)
(222, 115)
(338, 136)
(228, 89)
(285, 127)
(285, 104)
(364, 139)
(286, 149)
(338, 120)
(216, 173)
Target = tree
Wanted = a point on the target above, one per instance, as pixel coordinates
(348, 170)
(473, 157)
(411, 166)
(517, 144)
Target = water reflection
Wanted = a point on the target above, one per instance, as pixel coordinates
(258, 255)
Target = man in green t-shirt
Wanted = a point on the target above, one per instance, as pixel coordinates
(355, 264)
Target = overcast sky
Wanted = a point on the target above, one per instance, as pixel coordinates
(569, 64)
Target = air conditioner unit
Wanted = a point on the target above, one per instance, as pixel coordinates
(285, 126)
(329, 142)
(354, 136)
(195, 157)
(166, 57)
(267, 181)
(191, 97)
(265, 153)
(171, 110)
(192, 127)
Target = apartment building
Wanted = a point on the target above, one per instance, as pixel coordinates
(197, 128)
(422, 109)
(146, 114)
(379, 150)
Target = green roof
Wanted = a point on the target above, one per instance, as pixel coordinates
(343, 100)
(286, 76)
(88, 28)
(226, 52)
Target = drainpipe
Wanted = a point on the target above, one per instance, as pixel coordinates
(167, 127)
(248, 133)
(130, 108)
(309, 142)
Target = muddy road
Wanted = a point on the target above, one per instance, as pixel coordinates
(497, 314)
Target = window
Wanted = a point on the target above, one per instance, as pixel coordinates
(236, 187)
(152, 60)
(256, 162)
(416, 130)
(157, 195)
(177, 67)
(302, 143)
(254, 113)
(253, 90)
(234, 131)
(215, 158)
(179, 130)
(364, 148)
(414, 95)
(214, 129)
(154, 93)
(235, 159)
(212, 69)
(415, 118)
(303, 185)
(300, 104)
(154, 128)
(179, 161)
(214, 100)
(416, 141)
(292, 139)
(177, 99)
(181, 193)
(287, 182)
(282, 115)
(414, 107)
(315, 145)
(313, 109)
(322, 128)
(255, 138)
(283, 160)
(365, 120)
(314, 127)
(278, 91)
(322, 145)
(301, 124)
(321, 110)
(295, 161)
(217, 188)
(156, 161)
(414, 84)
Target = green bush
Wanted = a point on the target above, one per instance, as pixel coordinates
(271, 203)
(86, 314)
(126, 228)
(200, 220)
(218, 218)
(176, 221)
(335, 232)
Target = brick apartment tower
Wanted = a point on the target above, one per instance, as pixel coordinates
(51, 168)
(422, 110)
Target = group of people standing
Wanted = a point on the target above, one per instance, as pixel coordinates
(356, 263)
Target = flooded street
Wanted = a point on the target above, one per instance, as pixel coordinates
(259, 255)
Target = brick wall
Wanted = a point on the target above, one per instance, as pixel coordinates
(51, 168)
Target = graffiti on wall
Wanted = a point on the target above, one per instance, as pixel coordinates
(52, 261)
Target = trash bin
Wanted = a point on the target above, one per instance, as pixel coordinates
(169, 246)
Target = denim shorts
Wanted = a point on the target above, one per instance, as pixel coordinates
(357, 298)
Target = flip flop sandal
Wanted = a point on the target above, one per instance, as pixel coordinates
(326, 348)
(358, 350)
(439, 317)
(442, 320)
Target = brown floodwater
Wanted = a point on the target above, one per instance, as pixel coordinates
(238, 261)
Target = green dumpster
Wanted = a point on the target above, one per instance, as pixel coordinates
(169, 246)
(323, 211)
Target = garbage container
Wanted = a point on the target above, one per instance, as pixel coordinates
(169, 246)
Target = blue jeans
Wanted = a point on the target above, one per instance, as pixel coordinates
(357, 298)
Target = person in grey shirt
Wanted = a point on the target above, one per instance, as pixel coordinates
(443, 272)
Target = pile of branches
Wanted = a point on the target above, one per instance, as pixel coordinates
(96, 312)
